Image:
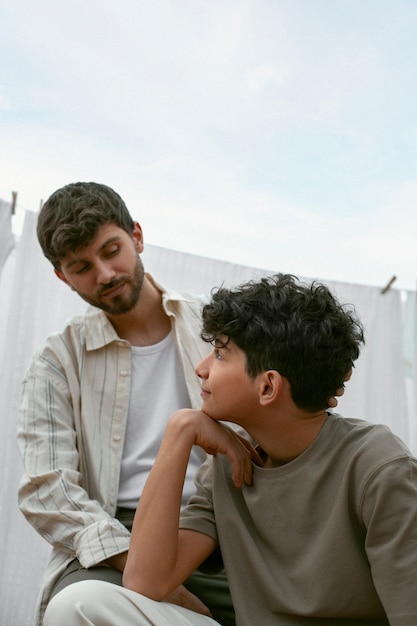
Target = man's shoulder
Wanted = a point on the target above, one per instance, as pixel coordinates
(187, 301)
(77, 329)
(183, 303)
(170, 295)
(81, 320)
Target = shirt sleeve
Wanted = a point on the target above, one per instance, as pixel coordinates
(198, 514)
(389, 512)
(52, 493)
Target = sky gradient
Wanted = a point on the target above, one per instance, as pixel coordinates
(279, 134)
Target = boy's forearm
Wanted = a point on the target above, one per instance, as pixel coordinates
(160, 557)
(118, 561)
(154, 542)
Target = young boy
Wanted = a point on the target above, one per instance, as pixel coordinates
(317, 524)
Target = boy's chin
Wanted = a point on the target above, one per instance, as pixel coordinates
(212, 415)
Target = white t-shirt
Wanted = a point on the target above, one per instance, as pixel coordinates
(158, 389)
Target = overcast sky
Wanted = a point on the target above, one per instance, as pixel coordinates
(279, 134)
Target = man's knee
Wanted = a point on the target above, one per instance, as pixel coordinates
(99, 603)
(84, 602)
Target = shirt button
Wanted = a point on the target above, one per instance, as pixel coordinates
(123, 372)
(116, 438)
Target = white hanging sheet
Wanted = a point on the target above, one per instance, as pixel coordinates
(35, 303)
(6, 234)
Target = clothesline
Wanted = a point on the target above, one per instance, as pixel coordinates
(34, 303)
(13, 211)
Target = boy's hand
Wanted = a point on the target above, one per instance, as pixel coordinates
(215, 437)
(182, 597)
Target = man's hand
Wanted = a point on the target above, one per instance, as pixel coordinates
(182, 597)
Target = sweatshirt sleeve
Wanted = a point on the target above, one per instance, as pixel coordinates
(198, 514)
(389, 513)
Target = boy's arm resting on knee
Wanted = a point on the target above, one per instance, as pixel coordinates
(118, 561)
(160, 583)
(180, 596)
(161, 556)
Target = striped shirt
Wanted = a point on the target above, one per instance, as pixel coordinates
(71, 432)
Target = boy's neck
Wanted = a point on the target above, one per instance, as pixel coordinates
(290, 439)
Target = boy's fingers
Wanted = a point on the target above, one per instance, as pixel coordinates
(242, 465)
(255, 456)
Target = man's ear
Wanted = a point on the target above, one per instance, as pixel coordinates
(270, 387)
(61, 277)
(137, 235)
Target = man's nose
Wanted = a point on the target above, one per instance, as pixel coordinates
(105, 273)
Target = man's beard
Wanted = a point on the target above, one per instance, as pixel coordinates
(120, 303)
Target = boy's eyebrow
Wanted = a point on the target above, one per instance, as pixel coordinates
(76, 259)
(218, 343)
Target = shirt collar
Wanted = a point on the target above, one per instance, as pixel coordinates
(99, 331)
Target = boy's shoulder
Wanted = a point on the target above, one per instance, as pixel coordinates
(368, 442)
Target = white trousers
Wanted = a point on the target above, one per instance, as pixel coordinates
(99, 603)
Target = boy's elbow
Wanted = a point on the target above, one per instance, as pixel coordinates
(144, 586)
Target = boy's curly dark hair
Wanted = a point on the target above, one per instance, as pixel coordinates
(299, 330)
(72, 215)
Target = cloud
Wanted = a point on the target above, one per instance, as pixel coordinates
(4, 104)
(272, 134)
(263, 75)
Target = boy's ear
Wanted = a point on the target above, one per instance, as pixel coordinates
(270, 387)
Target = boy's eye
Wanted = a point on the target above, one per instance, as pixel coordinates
(82, 269)
(218, 354)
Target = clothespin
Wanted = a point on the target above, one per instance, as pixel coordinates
(388, 285)
(14, 200)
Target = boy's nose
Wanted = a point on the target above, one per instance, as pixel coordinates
(202, 368)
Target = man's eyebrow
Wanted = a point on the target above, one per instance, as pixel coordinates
(77, 259)
(73, 261)
(110, 240)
